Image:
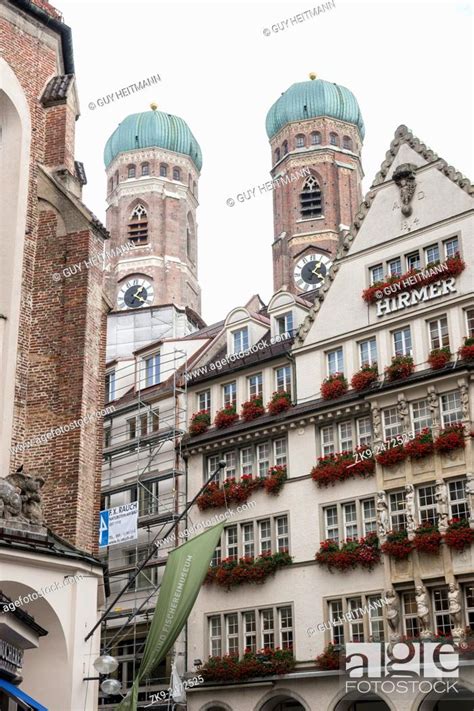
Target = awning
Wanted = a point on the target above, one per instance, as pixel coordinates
(19, 695)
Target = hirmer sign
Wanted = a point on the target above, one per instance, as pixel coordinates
(416, 296)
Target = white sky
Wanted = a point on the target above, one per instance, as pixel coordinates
(405, 62)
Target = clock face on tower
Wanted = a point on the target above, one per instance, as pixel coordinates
(310, 271)
(134, 294)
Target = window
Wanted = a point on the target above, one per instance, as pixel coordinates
(229, 391)
(315, 138)
(345, 436)
(335, 361)
(286, 627)
(148, 577)
(143, 424)
(421, 415)
(364, 431)
(451, 247)
(300, 141)
(427, 504)
(397, 511)
(138, 225)
(249, 459)
(163, 170)
(110, 386)
(283, 379)
(155, 420)
(231, 546)
(284, 323)
(376, 274)
(391, 423)
(350, 520)
(248, 543)
(438, 329)
(285, 147)
(311, 201)
(333, 139)
(368, 352)
(277, 155)
(470, 322)
(441, 612)
(279, 446)
(107, 437)
(255, 385)
(176, 174)
(250, 631)
(331, 527)
(131, 171)
(469, 590)
(413, 260)
(369, 517)
(204, 400)
(268, 629)
(230, 469)
(215, 636)
(282, 540)
(356, 627)
(457, 499)
(246, 460)
(402, 342)
(451, 408)
(217, 555)
(116, 177)
(376, 629)
(347, 143)
(263, 458)
(152, 370)
(395, 267)
(232, 622)
(145, 169)
(410, 616)
(431, 254)
(327, 440)
(335, 613)
(132, 428)
(148, 498)
(212, 466)
(265, 536)
(240, 340)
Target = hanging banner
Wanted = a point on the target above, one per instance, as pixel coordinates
(184, 574)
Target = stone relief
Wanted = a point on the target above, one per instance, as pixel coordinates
(405, 178)
(393, 614)
(20, 498)
(410, 510)
(423, 611)
(470, 497)
(433, 403)
(382, 515)
(441, 498)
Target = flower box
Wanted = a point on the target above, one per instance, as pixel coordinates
(397, 545)
(439, 357)
(275, 480)
(466, 352)
(330, 659)
(232, 572)
(453, 266)
(392, 456)
(366, 376)
(421, 446)
(459, 534)
(252, 409)
(400, 367)
(334, 386)
(225, 417)
(450, 439)
(350, 554)
(427, 539)
(200, 422)
(264, 662)
(216, 495)
(341, 466)
(280, 402)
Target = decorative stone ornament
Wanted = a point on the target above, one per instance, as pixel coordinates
(470, 497)
(393, 615)
(382, 516)
(423, 611)
(455, 612)
(441, 497)
(405, 178)
(20, 499)
(410, 510)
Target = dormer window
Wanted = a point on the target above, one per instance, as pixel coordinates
(240, 340)
(131, 171)
(163, 170)
(316, 138)
(333, 139)
(176, 174)
(300, 141)
(347, 143)
(284, 323)
(152, 369)
(145, 169)
(138, 225)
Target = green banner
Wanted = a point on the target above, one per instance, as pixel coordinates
(184, 574)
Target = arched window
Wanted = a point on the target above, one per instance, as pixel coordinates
(163, 170)
(311, 199)
(333, 139)
(189, 236)
(315, 138)
(277, 155)
(347, 143)
(285, 147)
(176, 174)
(145, 169)
(300, 141)
(116, 178)
(131, 171)
(138, 225)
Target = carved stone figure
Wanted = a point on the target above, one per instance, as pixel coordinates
(410, 509)
(405, 178)
(470, 497)
(441, 498)
(433, 403)
(393, 613)
(464, 390)
(30, 487)
(402, 407)
(376, 422)
(382, 514)
(10, 501)
(423, 610)
(454, 600)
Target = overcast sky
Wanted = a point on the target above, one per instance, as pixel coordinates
(406, 62)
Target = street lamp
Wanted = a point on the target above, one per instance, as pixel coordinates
(111, 686)
(105, 664)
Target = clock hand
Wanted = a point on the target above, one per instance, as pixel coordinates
(136, 295)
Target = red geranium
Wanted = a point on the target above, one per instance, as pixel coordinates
(215, 495)
(397, 545)
(231, 572)
(427, 539)
(439, 357)
(273, 483)
(450, 438)
(252, 409)
(392, 456)
(330, 659)
(353, 553)
(280, 402)
(421, 446)
(459, 534)
(366, 376)
(466, 352)
(334, 386)
(225, 417)
(338, 467)
(401, 367)
(264, 662)
(200, 422)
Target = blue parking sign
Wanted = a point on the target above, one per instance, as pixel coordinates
(104, 529)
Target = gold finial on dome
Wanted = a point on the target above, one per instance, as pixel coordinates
(313, 76)
(153, 106)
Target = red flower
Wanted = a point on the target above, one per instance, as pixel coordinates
(231, 572)
(450, 438)
(200, 422)
(341, 466)
(439, 357)
(280, 402)
(349, 554)
(427, 539)
(252, 409)
(392, 456)
(225, 417)
(264, 662)
(275, 480)
(397, 545)
(334, 386)
(459, 534)
(401, 367)
(330, 659)
(366, 376)
(421, 446)
(466, 352)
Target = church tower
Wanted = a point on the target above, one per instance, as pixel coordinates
(153, 164)
(316, 132)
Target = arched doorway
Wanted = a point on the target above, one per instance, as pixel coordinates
(282, 703)
(461, 700)
(366, 703)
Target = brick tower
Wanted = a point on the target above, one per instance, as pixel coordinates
(315, 125)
